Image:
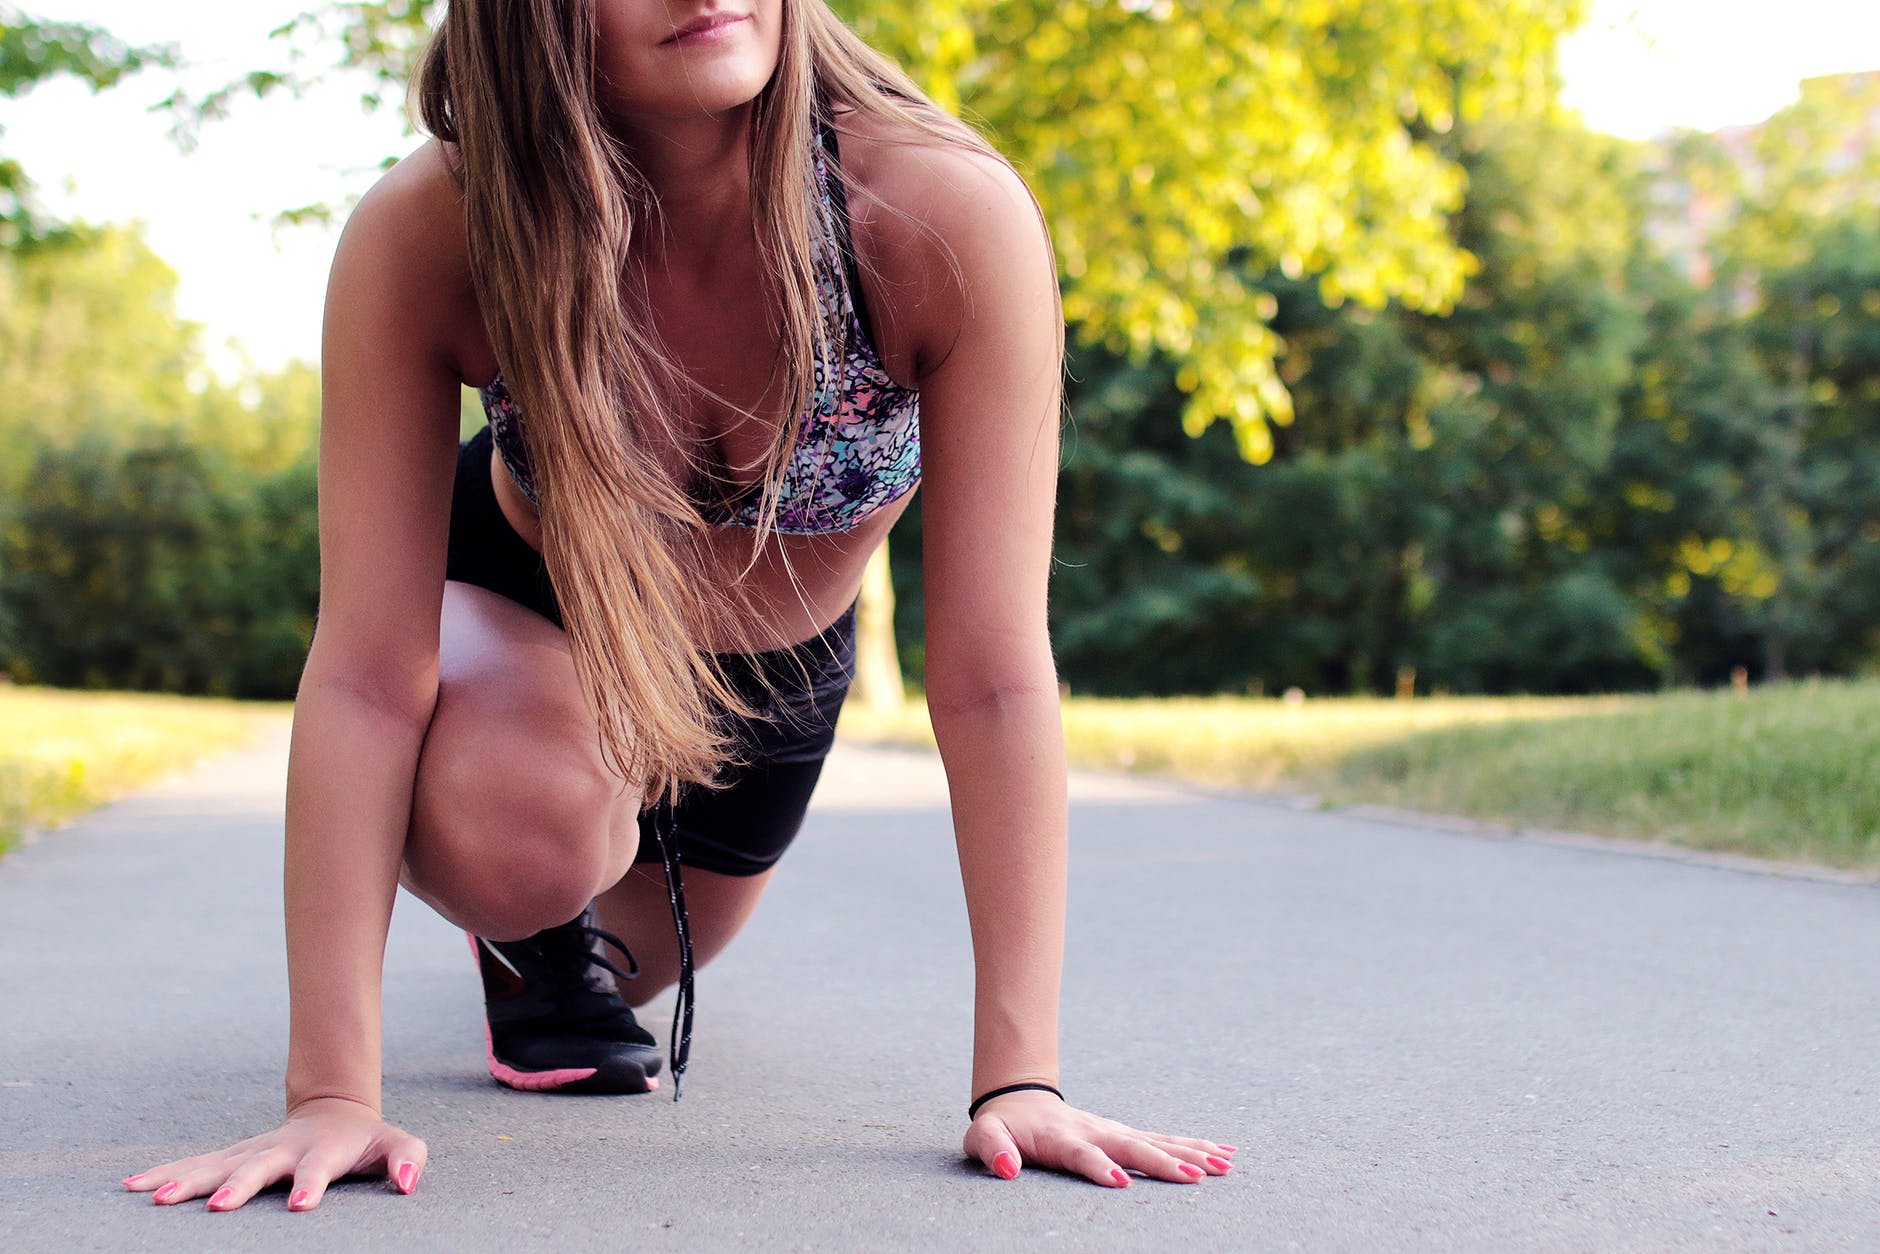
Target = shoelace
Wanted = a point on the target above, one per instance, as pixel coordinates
(564, 954)
(664, 822)
(589, 934)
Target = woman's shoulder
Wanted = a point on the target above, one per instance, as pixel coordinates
(939, 222)
(409, 229)
(416, 196)
(925, 179)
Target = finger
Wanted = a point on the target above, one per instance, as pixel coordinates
(1212, 1164)
(156, 1177)
(190, 1184)
(1154, 1161)
(250, 1178)
(990, 1141)
(1088, 1160)
(1195, 1143)
(311, 1176)
(405, 1156)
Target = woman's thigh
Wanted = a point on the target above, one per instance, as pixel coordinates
(637, 910)
(517, 823)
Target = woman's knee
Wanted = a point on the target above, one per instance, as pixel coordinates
(506, 851)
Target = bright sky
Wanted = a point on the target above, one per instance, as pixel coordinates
(1639, 67)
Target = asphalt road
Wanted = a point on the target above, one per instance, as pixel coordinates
(1421, 1040)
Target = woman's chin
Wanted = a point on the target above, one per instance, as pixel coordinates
(703, 95)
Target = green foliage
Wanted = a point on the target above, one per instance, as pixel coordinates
(88, 337)
(1588, 475)
(375, 43)
(156, 527)
(1795, 248)
(32, 51)
(1168, 142)
(1802, 171)
(153, 562)
(1427, 513)
(1817, 473)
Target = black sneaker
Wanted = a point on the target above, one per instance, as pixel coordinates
(554, 1017)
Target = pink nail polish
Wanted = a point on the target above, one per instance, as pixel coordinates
(1219, 1163)
(219, 1199)
(1120, 1176)
(407, 1176)
(1192, 1172)
(1006, 1165)
(297, 1201)
(130, 1181)
(1230, 1149)
(167, 1192)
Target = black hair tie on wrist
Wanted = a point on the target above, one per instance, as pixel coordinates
(972, 1112)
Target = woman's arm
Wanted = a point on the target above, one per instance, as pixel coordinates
(387, 456)
(989, 451)
(990, 405)
(388, 442)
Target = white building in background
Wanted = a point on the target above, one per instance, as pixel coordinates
(1689, 209)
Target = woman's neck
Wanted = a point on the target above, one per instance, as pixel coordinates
(699, 170)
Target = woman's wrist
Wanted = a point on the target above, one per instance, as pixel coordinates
(305, 1094)
(296, 1107)
(989, 1074)
(1009, 1058)
(1004, 1090)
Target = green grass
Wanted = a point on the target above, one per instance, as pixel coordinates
(62, 753)
(1785, 771)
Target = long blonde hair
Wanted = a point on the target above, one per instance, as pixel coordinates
(553, 201)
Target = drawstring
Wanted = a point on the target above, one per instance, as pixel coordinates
(681, 1040)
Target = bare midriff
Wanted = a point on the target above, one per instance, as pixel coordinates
(796, 588)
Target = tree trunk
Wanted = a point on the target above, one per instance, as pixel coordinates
(877, 665)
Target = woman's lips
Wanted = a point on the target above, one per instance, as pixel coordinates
(720, 27)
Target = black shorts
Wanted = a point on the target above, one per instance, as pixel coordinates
(744, 827)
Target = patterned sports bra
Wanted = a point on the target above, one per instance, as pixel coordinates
(857, 441)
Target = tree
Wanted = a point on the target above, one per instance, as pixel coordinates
(157, 527)
(1792, 254)
(32, 51)
(88, 337)
(1818, 334)
(1444, 509)
(148, 559)
(1167, 140)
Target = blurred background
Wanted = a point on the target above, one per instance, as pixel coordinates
(1474, 404)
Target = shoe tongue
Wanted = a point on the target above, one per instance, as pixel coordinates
(569, 953)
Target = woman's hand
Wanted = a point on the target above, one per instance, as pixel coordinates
(1038, 1128)
(322, 1140)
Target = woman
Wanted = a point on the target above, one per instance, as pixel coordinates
(729, 285)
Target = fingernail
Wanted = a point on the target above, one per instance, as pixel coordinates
(128, 1181)
(298, 1200)
(1192, 1172)
(1230, 1149)
(220, 1198)
(1006, 1165)
(167, 1192)
(407, 1176)
(1219, 1163)
(1120, 1176)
